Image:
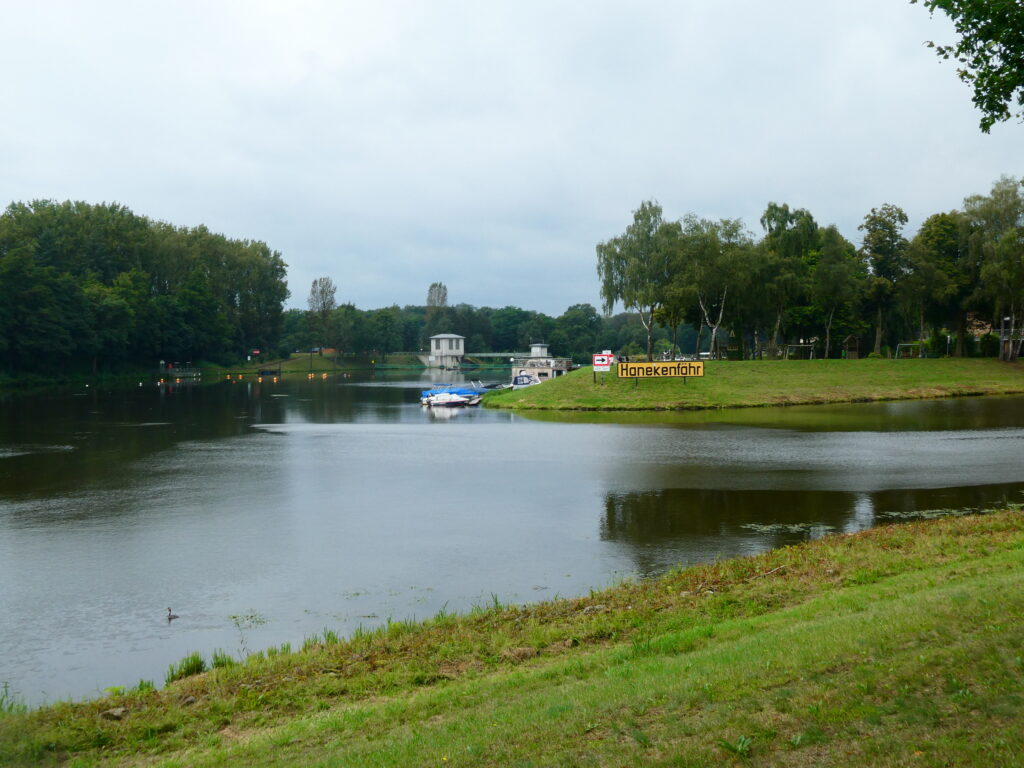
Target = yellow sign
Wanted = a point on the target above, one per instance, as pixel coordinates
(659, 370)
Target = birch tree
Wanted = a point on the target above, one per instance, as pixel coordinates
(716, 255)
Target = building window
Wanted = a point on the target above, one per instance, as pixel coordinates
(451, 343)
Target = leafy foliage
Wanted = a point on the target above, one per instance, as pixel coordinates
(990, 53)
(88, 286)
(803, 283)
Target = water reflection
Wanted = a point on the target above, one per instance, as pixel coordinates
(897, 416)
(672, 526)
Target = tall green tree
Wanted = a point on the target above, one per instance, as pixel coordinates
(837, 278)
(438, 319)
(322, 302)
(986, 220)
(634, 267)
(386, 328)
(111, 320)
(885, 249)
(1003, 275)
(506, 324)
(576, 332)
(40, 323)
(718, 260)
(790, 236)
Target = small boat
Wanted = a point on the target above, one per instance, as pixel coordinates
(524, 380)
(450, 397)
(447, 400)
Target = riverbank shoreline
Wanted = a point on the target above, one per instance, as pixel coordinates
(885, 647)
(760, 384)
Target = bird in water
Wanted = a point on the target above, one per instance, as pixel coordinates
(171, 616)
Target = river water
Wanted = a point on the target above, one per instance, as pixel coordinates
(263, 513)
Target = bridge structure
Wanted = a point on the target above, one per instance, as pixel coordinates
(506, 355)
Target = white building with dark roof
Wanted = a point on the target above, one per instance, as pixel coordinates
(446, 350)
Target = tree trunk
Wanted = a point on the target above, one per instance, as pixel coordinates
(961, 334)
(1013, 348)
(828, 331)
(648, 324)
(878, 333)
(700, 336)
(714, 327)
(773, 342)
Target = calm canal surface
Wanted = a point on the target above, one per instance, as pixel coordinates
(264, 513)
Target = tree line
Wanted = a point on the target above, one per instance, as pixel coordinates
(578, 332)
(801, 282)
(96, 287)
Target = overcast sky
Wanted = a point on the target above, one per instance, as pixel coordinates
(487, 145)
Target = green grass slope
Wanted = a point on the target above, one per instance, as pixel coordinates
(759, 383)
(903, 645)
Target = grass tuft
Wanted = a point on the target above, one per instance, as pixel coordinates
(193, 664)
(10, 701)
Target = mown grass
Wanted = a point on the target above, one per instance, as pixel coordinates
(902, 645)
(763, 383)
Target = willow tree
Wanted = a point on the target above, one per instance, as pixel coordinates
(790, 236)
(634, 267)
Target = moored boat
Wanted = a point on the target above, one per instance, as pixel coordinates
(450, 397)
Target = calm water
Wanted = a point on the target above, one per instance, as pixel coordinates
(333, 503)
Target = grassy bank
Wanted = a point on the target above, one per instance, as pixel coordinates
(790, 382)
(902, 645)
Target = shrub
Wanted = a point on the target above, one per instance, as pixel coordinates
(988, 345)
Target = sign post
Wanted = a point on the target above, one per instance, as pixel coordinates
(603, 363)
